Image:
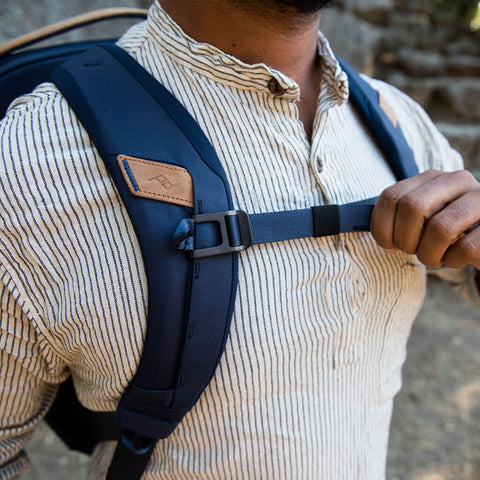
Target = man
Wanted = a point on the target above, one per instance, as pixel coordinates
(306, 384)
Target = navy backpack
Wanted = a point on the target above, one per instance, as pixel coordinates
(190, 247)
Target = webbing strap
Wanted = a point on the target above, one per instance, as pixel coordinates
(232, 231)
(318, 221)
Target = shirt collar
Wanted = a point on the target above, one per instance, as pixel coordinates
(210, 61)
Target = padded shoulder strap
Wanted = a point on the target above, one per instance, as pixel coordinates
(388, 136)
(129, 115)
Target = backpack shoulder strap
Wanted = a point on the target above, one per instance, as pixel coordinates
(125, 111)
(388, 135)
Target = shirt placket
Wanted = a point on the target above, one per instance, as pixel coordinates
(326, 102)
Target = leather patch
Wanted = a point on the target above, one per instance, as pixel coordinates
(157, 181)
(387, 110)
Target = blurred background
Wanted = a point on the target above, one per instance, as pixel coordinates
(430, 49)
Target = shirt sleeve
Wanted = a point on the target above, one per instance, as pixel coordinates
(430, 147)
(30, 369)
(26, 388)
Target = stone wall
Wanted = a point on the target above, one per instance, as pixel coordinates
(421, 50)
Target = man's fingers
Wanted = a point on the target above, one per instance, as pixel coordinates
(465, 251)
(447, 228)
(428, 214)
(385, 210)
(427, 207)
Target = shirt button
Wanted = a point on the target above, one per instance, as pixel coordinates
(275, 88)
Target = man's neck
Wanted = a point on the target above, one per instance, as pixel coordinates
(256, 33)
(281, 40)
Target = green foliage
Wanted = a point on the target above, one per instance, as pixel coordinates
(464, 9)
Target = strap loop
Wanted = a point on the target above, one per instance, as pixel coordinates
(131, 457)
(137, 444)
(326, 220)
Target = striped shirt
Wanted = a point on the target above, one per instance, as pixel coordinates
(305, 387)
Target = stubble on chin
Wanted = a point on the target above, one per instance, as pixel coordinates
(282, 7)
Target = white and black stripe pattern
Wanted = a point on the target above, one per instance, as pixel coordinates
(306, 384)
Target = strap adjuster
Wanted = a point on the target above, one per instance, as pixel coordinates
(235, 232)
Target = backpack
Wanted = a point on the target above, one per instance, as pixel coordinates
(190, 248)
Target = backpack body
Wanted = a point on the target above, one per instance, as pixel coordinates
(20, 73)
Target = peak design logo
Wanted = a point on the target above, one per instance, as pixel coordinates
(157, 181)
(164, 182)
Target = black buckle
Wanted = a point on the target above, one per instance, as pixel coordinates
(227, 224)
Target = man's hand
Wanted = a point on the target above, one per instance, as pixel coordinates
(435, 215)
